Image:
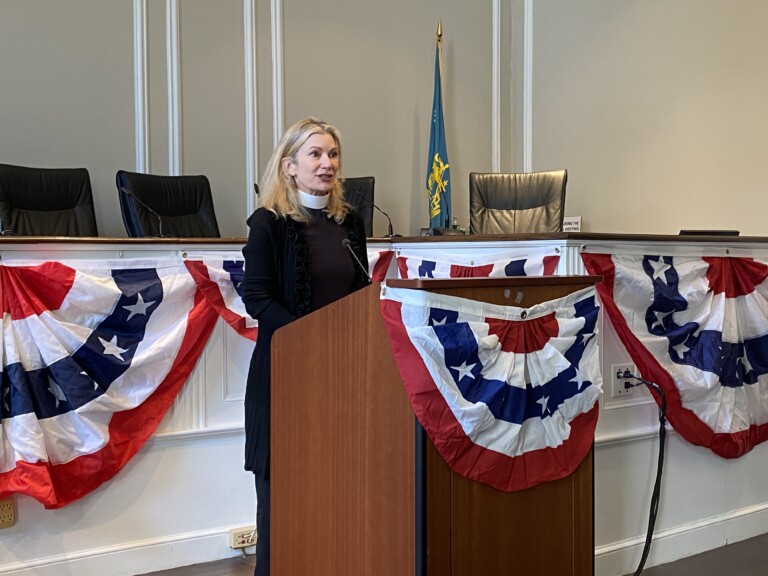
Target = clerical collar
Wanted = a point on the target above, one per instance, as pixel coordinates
(311, 201)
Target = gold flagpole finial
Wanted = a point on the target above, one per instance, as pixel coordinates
(439, 29)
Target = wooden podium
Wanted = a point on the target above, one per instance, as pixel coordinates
(353, 495)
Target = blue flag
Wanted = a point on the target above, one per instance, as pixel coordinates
(438, 173)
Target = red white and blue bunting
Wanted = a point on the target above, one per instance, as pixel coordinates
(697, 327)
(219, 279)
(508, 396)
(378, 263)
(94, 354)
(438, 263)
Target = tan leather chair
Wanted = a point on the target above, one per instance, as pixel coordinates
(516, 203)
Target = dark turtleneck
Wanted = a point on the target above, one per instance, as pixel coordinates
(332, 270)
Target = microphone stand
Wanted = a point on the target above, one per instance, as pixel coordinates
(348, 245)
(150, 210)
(390, 230)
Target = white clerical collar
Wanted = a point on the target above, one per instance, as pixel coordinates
(312, 201)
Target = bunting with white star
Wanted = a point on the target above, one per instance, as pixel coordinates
(508, 396)
(93, 355)
(697, 327)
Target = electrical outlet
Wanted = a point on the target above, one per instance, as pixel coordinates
(618, 381)
(242, 537)
(7, 513)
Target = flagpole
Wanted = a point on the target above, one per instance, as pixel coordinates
(438, 175)
(439, 38)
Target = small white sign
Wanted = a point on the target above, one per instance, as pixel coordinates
(572, 224)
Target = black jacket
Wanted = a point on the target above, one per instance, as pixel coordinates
(276, 291)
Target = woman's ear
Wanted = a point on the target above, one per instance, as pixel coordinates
(289, 166)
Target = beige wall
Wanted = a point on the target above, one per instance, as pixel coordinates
(66, 91)
(656, 108)
(368, 68)
(643, 102)
(365, 66)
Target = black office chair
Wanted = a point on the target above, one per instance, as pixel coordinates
(46, 202)
(178, 206)
(359, 193)
(517, 203)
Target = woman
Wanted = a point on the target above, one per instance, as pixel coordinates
(296, 261)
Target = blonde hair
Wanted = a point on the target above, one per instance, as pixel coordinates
(279, 192)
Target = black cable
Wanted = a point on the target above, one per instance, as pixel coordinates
(656, 496)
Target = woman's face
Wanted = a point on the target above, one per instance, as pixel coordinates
(315, 166)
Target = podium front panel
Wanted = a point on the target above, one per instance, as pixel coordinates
(343, 456)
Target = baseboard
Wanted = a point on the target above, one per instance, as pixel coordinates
(682, 541)
(611, 559)
(133, 558)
